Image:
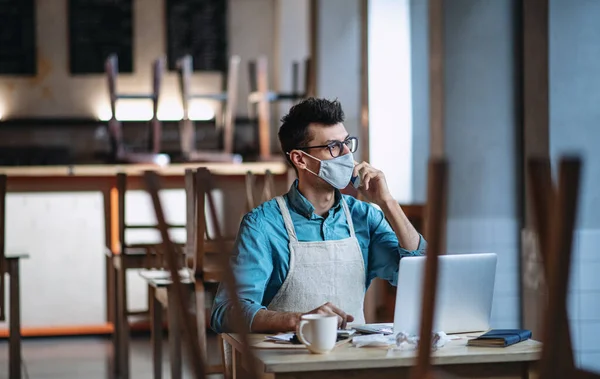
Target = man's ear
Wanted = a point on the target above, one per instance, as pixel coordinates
(298, 159)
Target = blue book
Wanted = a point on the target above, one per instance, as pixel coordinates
(500, 338)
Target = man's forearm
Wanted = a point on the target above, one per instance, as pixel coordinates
(408, 237)
(266, 321)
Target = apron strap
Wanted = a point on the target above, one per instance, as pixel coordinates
(287, 219)
(348, 216)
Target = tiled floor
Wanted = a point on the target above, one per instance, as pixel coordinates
(88, 358)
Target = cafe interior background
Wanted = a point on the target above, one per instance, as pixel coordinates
(501, 96)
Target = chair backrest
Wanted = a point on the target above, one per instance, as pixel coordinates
(229, 98)
(198, 189)
(111, 68)
(297, 92)
(3, 181)
(544, 196)
(267, 193)
(556, 214)
(200, 179)
(154, 260)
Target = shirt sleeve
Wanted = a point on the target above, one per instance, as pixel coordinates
(385, 251)
(252, 266)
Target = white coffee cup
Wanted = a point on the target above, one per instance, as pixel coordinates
(318, 332)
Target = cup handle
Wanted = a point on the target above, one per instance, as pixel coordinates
(299, 332)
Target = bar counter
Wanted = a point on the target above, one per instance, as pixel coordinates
(65, 217)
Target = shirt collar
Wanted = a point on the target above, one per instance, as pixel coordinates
(301, 205)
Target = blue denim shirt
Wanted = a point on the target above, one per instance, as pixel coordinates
(261, 256)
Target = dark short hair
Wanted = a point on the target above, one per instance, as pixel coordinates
(294, 133)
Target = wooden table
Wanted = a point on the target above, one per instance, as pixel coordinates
(454, 360)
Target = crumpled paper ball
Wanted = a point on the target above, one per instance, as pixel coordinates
(406, 341)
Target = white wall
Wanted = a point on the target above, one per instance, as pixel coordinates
(54, 93)
(390, 94)
(338, 61)
(252, 33)
(481, 115)
(292, 43)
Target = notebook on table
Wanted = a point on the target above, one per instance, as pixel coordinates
(500, 338)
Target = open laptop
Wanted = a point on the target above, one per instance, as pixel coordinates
(465, 291)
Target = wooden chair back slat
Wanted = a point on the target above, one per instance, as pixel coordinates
(267, 193)
(201, 232)
(231, 104)
(158, 68)
(186, 129)
(250, 183)
(190, 215)
(269, 186)
(121, 189)
(436, 202)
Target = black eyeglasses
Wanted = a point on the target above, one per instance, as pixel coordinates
(336, 148)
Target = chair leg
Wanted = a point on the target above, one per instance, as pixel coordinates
(115, 310)
(174, 335)
(200, 315)
(157, 332)
(122, 319)
(226, 358)
(110, 290)
(14, 362)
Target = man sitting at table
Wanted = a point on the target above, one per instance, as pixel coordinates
(314, 250)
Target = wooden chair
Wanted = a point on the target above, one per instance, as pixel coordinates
(267, 193)
(203, 250)
(226, 122)
(194, 325)
(261, 97)
(127, 257)
(9, 264)
(435, 233)
(555, 215)
(119, 150)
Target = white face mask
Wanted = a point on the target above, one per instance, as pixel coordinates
(337, 171)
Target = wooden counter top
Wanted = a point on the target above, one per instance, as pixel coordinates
(347, 357)
(277, 168)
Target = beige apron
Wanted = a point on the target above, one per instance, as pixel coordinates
(321, 272)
